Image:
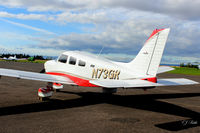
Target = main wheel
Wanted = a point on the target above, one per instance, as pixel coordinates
(109, 90)
(43, 98)
(56, 90)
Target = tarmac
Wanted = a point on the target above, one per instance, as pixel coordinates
(87, 110)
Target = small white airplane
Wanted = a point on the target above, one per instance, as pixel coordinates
(77, 68)
(12, 58)
(4, 58)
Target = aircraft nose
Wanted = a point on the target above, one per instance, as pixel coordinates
(49, 65)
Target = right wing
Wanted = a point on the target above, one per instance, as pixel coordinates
(35, 76)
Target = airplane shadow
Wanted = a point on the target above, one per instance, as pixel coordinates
(147, 102)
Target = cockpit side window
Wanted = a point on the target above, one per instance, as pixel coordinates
(81, 63)
(72, 60)
(63, 58)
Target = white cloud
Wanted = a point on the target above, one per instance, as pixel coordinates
(165, 59)
(120, 26)
(130, 34)
(24, 16)
(178, 59)
(82, 17)
(118, 29)
(27, 26)
(185, 9)
(32, 51)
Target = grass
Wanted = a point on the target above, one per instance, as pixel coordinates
(185, 70)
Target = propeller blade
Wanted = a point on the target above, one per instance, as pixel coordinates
(42, 71)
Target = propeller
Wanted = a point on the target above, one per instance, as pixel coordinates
(42, 71)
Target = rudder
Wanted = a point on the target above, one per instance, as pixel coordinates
(148, 59)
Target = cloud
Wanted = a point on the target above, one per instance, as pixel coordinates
(184, 9)
(118, 30)
(28, 27)
(24, 16)
(95, 17)
(44, 5)
(82, 17)
(129, 35)
(32, 51)
(121, 27)
(165, 59)
(178, 59)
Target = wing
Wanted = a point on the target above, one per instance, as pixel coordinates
(163, 69)
(35, 76)
(141, 83)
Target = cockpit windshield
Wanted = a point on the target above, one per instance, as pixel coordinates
(63, 58)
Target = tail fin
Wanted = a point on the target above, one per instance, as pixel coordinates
(148, 59)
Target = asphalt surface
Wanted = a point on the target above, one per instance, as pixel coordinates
(78, 109)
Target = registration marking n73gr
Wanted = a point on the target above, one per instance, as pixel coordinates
(105, 73)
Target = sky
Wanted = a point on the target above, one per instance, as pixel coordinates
(115, 27)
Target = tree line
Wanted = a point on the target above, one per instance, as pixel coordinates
(190, 65)
(37, 57)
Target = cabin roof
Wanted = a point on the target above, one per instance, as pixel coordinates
(87, 56)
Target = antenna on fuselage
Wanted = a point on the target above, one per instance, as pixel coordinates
(100, 51)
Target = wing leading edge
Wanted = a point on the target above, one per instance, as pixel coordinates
(35, 76)
(142, 83)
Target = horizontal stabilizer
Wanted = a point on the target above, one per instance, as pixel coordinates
(163, 69)
(175, 81)
(141, 83)
(122, 83)
(35, 76)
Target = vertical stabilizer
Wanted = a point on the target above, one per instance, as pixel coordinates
(148, 59)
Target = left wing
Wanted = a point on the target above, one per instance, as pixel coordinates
(141, 83)
(35, 76)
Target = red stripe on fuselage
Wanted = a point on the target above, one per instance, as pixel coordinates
(78, 81)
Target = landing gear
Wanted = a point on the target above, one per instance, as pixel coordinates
(46, 92)
(109, 90)
(57, 87)
(43, 98)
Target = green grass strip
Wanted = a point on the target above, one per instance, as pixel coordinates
(185, 70)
